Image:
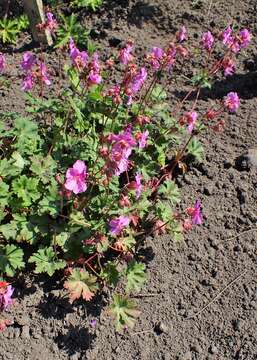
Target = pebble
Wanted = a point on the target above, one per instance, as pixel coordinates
(208, 190)
(25, 332)
(213, 349)
(161, 327)
(196, 348)
(248, 160)
(237, 325)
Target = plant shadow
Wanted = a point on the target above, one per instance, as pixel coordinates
(76, 339)
(142, 12)
(244, 84)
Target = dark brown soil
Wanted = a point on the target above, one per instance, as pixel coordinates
(182, 278)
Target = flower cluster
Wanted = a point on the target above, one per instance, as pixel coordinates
(196, 217)
(6, 292)
(165, 58)
(34, 71)
(81, 61)
(235, 42)
(50, 24)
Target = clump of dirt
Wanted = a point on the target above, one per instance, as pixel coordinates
(200, 301)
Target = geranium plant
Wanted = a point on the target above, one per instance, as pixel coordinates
(90, 169)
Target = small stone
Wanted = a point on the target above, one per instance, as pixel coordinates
(237, 325)
(248, 160)
(196, 348)
(208, 190)
(213, 349)
(25, 332)
(161, 327)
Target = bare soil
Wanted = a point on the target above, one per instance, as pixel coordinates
(215, 267)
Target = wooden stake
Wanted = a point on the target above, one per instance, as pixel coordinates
(35, 13)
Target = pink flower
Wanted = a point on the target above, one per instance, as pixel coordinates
(207, 40)
(78, 58)
(139, 187)
(138, 80)
(157, 52)
(125, 54)
(191, 118)
(76, 178)
(95, 65)
(155, 57)
(232, 101)
(181, 35)
(226, 36)
(187, 224)
(28, 82)
(5, 297)
(136, 185)
(43, 74)
(2, 62)
(245, 38)
(94, 78)
(229, 67)
(142, 139)
(28, 61)
(196, 213)
(122, 149)
(51, 23)
(118, 224)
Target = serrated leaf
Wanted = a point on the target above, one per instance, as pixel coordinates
(135, 274)
(4, 194)
(11, 259)
(26, 189)
(195, 149)
(110, 274)
(18, 160)
(46, 261)
(43, 167)
(170, 191)
(81, 284)
(124, 311)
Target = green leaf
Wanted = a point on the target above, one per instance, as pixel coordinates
(195, 149)
(158, 94)
(26, 189)
(124, 311)
(4, 194)
(170, 191)
(46, 261)
(44, 167)
(71, 28)
(135, 274)
(81, 284)
(91, 4)
(11, 259)
(110, 273)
